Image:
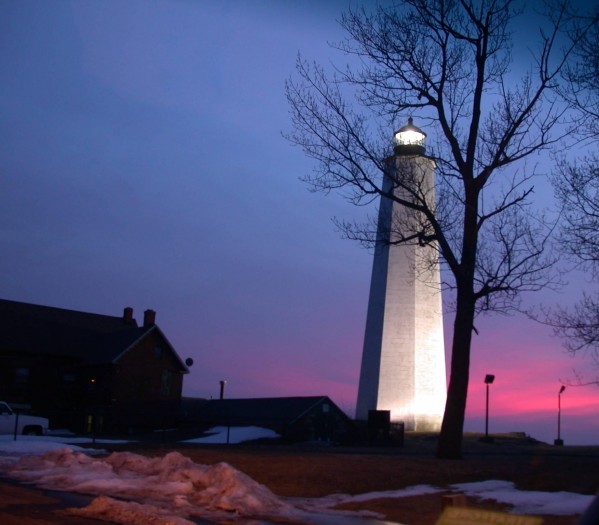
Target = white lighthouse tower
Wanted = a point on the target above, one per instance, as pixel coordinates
(403, 361)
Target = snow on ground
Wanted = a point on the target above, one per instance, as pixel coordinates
(41, 444)
(529, 501)
(133, 489)
(233, 435)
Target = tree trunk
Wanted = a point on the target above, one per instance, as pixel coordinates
(452, 428)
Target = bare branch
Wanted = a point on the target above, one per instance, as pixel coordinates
(450, 62)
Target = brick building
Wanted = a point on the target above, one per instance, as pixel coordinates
(87, 371)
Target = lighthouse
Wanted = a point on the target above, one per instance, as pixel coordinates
(403, 359)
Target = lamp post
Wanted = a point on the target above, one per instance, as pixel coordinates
(222, 388)
(489, 378)
(559, 441)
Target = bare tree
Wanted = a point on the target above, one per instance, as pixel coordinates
(581, 89)
(449, 63)
(576, 186)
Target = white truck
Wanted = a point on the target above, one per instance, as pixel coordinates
(26, 424)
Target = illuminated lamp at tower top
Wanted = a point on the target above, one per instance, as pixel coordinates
(409, 140)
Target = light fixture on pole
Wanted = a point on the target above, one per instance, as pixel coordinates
(489, 378)
(559, 441)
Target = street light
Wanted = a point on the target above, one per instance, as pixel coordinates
(489, 378)
(559, 441)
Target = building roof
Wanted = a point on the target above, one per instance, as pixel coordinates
(92, 338)
(288, 409)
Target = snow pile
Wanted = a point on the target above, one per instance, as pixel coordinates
(130, 513)
(134, 489)
(172, 483)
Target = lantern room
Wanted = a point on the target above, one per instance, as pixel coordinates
(409, 140)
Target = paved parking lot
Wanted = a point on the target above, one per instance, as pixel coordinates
(23, 505)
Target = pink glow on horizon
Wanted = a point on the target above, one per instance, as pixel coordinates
(530, 366)
(522, 397)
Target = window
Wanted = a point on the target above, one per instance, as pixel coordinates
(165, 387)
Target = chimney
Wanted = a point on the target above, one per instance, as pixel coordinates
(149, 318)
(128, 315)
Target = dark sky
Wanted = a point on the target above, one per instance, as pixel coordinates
(142, 164)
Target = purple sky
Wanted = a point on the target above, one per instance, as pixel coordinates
(142, 164)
